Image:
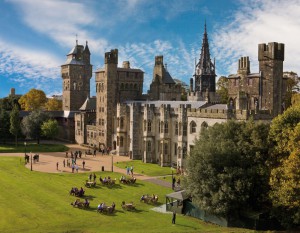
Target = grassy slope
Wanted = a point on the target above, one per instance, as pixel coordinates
(32, 147)
(145, 168)
(40, 202)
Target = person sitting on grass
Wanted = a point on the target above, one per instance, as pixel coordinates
(86, 202)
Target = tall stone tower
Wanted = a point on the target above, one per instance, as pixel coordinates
(76, 74)
(205, 76)
(271, 59)
(106, 89)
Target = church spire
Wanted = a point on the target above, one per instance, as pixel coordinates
(205, 69)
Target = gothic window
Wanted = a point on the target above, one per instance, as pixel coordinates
(135, 86)
(176, 128)
(121, 141)
(149, 126)
(175, 148)
(121, 122)
(74, 85)
(78, 123)
(166, 148)
(118, 141)
(184, 129)
(193, 127)
(162, 127)
(126, 86)
(145, 125)
(118, 122)
(166, 128)
(158, 127)
(204, 126)
(148, 146)
(236, 82)
(122, 86)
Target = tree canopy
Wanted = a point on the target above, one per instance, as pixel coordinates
(222, 89)
(4, 125)
(31, 124)
(15, 128)
(50, 128)
(53, 105)
(33, 100)
(226, 168)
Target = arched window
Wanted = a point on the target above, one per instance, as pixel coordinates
(121, 141)
(118, 141)
(176, 128)
(180, 128)
(149, 146)
(166, 128)
(204, 126)
(145, 125)
(135, 86)
(184, 129)
(162, 127)
(166, 148)
(126, 86)
(122, 86)
(149, 126)
(193, 127)
(121, 122)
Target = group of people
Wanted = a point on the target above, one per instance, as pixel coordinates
(129, 170)
(102, 207)
(77, 192)
(175, 182)
(78, 203)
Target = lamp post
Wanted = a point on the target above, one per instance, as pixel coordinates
(112, 163)
(30, 161)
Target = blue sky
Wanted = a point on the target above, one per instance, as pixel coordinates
(35, 36)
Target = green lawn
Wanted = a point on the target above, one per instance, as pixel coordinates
(40, 202)
(32, 147)
(146, 168)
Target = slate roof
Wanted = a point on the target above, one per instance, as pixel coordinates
(88, 105)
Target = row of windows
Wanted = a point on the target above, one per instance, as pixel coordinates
(100, 87)
(101, 121)
(128, 86)
(237, 81)
(120, 122)
(165, 147)
(163, 127)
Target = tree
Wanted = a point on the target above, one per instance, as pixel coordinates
(284, 162)
(31, 124)
(50, 128)
(15, 128)
(53, 105)
(33, 100)
(226, 168)
(4, 125)
(285, 191)
(279, 136)
(222, 89)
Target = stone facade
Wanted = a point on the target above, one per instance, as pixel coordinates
(158, 127)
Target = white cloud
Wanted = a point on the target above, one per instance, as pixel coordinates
(256, 22)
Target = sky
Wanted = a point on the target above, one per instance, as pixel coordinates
(35, 36)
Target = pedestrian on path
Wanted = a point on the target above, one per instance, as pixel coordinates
(76, 166)
(64, 163)
(83, 163)
(174, 217)
(57, 166)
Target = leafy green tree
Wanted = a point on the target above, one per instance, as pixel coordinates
(285, 163)
(31, 124)
(53, 105)
(50, 128)
(222, 89)
(15, 128)
(226, 168)
(285, 191)
(4, 125)
(279, 136)
(33, 100)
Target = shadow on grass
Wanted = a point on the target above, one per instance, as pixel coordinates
(115, 186)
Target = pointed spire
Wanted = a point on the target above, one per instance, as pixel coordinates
(86, 49)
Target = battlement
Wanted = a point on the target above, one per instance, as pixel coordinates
(111, 57)
(244, 65)
(271, 51)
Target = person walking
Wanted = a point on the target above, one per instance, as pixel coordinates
(57, 166)
(76, 167)
(174, 217)
(83, 164)
(64, 163)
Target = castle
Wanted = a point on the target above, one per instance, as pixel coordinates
(158, 127)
